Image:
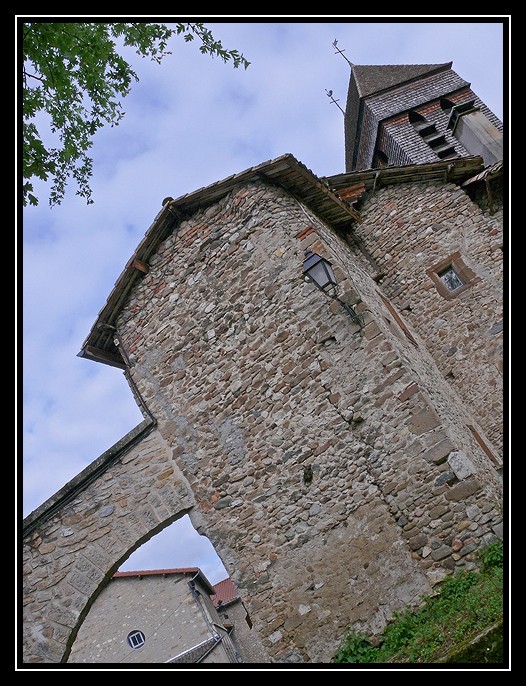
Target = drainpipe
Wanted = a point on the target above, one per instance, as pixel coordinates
(229, 650)
(195, 594)
(218, 641)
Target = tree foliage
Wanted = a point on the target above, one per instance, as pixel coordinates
(73, 78)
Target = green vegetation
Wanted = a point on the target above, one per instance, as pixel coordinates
(73, 75)
(467, 605)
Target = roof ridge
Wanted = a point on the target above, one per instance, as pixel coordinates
(389, 75)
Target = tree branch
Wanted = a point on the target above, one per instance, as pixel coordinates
(32, 76)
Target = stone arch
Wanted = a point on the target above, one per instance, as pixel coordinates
(74, 542)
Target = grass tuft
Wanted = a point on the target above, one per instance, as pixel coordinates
(468, 604)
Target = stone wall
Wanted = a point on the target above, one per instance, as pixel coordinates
(410, 229)
(307, 441)
(71, 554)
(331, 466)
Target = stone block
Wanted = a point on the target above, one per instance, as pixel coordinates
(499, 530)
(408, 392)
(461, 465)
(371, 330)
(424, 420)
(437, 454)
(445, 478)
(440, 553)
(462, 490)
(417, 541)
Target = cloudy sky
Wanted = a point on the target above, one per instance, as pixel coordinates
(189, 122)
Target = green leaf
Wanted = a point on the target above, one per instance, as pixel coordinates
(74, 73)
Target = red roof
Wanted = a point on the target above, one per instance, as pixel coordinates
(225, 592)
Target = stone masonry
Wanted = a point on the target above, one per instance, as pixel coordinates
(70, 558)
(332, 466)
(411, 228)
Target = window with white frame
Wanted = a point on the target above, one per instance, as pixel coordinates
(136, 639)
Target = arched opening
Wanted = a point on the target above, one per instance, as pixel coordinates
(179, 545)
(74, 549)
(160, 606)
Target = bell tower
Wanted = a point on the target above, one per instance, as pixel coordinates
(415, 114)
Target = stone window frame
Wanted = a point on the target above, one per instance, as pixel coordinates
(136, 639)
(465, 273)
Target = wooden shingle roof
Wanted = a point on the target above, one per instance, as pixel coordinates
(368, 80)
(378, 77)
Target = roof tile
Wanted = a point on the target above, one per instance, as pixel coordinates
(225, 592)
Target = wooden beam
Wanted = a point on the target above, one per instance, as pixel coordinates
(141, 266)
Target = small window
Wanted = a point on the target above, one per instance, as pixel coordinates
(450, 278)
(136, 639)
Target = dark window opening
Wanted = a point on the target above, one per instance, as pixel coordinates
(446, 104)
(381, 159)
(447, 152)
(421, 125)
(415, 117)
(429, 134)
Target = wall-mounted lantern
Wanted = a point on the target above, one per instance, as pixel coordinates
(319, 270)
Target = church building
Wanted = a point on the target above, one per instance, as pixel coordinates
(319, 364)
